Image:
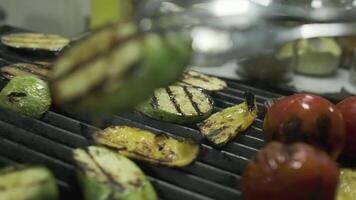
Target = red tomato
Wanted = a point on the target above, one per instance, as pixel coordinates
(348, 110)
(293, 172)
(308, 118)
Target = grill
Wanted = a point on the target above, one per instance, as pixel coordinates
(216, 174)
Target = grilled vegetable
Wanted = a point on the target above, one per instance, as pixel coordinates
(179, 104)
(35, 41)
(122, 68)
(196, 79)
(27, 183)
(347, 185)
(223, 126)
(25, 69)
(27, 95)
(293, 172)
(144, 145)
(306, 118)
(105, 175)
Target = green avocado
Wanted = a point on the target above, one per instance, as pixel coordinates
(27, 95)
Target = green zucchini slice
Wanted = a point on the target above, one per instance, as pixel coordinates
(147, 146)
(35, 41)
(223, 126)
(25, 69)
(27, 183)
(178, 104)
(27, 95)
(105, 175)
(196, 79)
(118, 67)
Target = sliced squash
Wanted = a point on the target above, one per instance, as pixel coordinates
(223, 126)
(147, 146)
(203, 81)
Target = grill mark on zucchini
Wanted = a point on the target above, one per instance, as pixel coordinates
(135, 67)
(116, 43)
(174, 101)
(194, 104)
(111, 179)
(154, 101)
(29, 68)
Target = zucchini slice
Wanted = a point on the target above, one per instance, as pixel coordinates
(118, 67)
(105, 175)
(347, 185)
(196, 79)
(223, 126)
(27, 183)
(35, 41)
(178, 104)
(147, 146)
(27, 95)
(25, 69)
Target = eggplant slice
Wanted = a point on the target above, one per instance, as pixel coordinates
(178, 104)
(196, 79)
(223, 126)
(106, 175)
(25, 69)
(27, 183)
(147, 146)
(118, 67)
(35, 41)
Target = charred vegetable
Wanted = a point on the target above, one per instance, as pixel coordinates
(347, 185)
(35, 41)
(144, 145)
(196, 79)
(306, 118)
(25, 69)
(293, 172)
(27, 95)
(122, 68)
(179, 104)
(223, 126)
(105, 175)
(27, 183)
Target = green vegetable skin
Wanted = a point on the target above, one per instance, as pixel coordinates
(105, 175)
(27, 95)
(347, 185)
(29, 183)
(178, 104)
(121, 70)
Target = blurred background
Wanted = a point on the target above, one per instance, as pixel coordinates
(320, 65)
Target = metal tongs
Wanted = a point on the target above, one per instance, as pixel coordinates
(246, 28)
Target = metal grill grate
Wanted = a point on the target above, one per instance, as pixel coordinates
(49, 141)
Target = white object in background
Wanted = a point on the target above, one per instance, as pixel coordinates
(64, 17)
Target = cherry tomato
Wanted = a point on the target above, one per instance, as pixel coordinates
(348, 110)
(294, 172)
(308, 118)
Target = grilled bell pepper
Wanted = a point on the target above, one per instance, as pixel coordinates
(27, 95)
(27, 183)
(347, 185)
(105, 175)
(196, 79)
(121, 68)
(178, 104)
(144, 145)
(225, 125)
